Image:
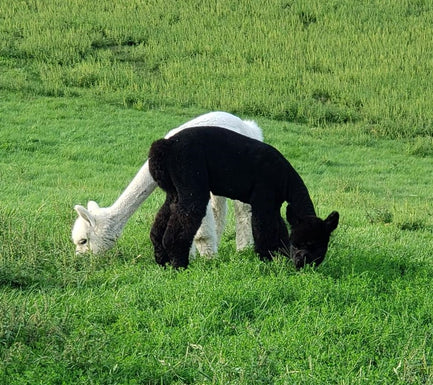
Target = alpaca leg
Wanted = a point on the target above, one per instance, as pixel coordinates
(205, 240)
(193, 251)
(244, 234)
(219, 208)
(158, 229)
(269, 231)
(283, 238)
(183, 224)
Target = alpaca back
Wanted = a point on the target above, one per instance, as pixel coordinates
(230, 164)
(252, 130)
(224, 120)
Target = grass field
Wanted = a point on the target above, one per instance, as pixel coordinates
(311, 61)
(340, 88)
(363, 317)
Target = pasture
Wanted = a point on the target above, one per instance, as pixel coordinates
(341, 89)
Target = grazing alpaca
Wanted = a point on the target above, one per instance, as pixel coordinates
(97, 228)
(203, 160)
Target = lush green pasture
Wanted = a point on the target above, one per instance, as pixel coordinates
(365, 316)
(310, 61)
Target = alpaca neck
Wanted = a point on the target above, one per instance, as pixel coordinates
(134, 195)
(298, 196)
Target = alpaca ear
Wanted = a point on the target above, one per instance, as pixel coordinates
(332, 221)
(85, 214)
(291, 216)
(92, 206)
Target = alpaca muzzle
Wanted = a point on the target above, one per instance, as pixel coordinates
(302, 257)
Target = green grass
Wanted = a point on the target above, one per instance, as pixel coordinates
(311, 61)
(365, 316)
(341, 88)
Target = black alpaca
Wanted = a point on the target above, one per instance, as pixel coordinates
(200, 160)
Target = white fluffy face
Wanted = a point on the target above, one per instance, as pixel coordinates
(81, 236)
(89, 233)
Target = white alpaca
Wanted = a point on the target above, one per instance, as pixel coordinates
(97, 228)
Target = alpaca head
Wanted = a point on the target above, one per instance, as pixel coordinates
(93, 231)
(309, 238)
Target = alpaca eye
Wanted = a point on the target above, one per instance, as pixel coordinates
(82, 242)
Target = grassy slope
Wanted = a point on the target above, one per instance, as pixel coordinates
(309, 61)
(363, 317)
